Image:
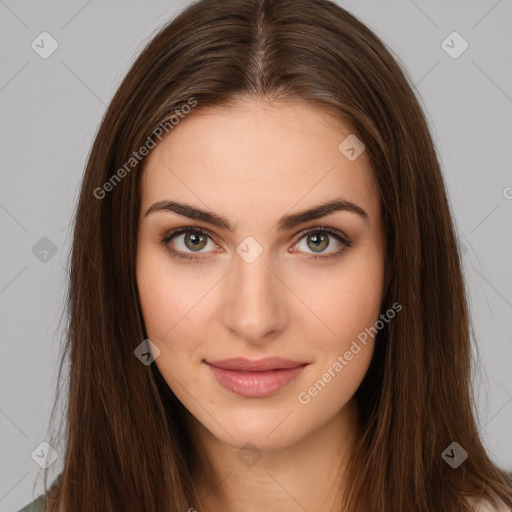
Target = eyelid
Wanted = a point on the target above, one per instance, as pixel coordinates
(168, 234)
(326, 229)
(336, 233)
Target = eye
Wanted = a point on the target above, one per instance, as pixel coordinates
(188, 238)
(318, 240)
(194, 239)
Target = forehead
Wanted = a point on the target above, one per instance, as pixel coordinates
(257, 156)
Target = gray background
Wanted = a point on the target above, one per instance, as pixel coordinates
(51, 108)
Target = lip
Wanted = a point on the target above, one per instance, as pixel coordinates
(255, 379)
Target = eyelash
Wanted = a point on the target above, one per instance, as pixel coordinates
(192, 229)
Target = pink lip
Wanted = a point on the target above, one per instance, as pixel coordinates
(254, 379)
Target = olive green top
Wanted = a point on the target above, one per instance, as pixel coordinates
(34, 506)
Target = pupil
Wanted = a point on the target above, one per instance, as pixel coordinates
(317, 241)
(194, 240)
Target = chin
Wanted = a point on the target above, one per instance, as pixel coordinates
(268, 431)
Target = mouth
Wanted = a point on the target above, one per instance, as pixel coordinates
(255, 379)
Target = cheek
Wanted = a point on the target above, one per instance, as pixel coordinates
(154, 295)
(355, 307)
(348, 299)
(161, 306)
(162, 309)
(342, 358)
(170, 299)
(349, 306)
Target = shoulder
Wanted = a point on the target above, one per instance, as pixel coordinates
(34, 506)
(481, 505)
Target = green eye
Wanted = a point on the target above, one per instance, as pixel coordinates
(318, 239)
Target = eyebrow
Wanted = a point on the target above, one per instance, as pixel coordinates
(286, 222)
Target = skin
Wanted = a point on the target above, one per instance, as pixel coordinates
(253, 163)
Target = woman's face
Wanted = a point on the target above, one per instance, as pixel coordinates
(256, 286)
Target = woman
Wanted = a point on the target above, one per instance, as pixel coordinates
(267, 309)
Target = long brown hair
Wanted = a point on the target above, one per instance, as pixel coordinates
(126, 448)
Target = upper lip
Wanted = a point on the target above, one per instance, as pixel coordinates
(260, 365)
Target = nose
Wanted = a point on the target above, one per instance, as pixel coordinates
(254, 306)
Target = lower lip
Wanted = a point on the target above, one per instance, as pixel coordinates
(255, 384)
